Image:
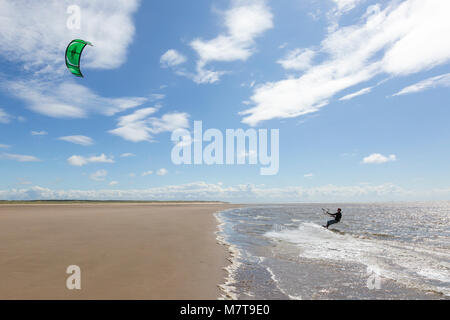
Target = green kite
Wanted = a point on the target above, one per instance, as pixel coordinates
(73, 56)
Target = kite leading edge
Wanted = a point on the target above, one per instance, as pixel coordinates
(73, 56)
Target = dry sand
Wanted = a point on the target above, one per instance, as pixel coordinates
(125, 251)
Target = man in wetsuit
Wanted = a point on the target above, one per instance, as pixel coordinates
(337, 217)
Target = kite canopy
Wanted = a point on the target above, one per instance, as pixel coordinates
(73, 56)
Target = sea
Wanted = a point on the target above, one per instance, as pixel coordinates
(377, 251)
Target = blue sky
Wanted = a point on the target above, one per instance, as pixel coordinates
(359, 90)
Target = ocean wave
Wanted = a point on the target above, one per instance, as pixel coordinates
(410, 265)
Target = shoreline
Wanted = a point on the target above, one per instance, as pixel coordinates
(226, 287)
(324, 276)
(125, 251)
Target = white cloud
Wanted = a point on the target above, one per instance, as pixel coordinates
(101, 159)
(68, 99)
(308, 175)
(298, 59)
(19, 157)
(172, 58)
(4, 146)
(147, 173)
(244, 22)
(81, 140)
(99, 175)
(162, 172)
(356, 94)
(157, 96)
(134, 127)
(377, 158)
(80, 161)
(203, 75)
(434, 82)
(237, 193)
(39, 133)
(127, 155)
(7, 118)
(395, 40)
(346, 5)
(25, 26)
(4, 117)
(139, 126)
(113, 183)
(169, 122)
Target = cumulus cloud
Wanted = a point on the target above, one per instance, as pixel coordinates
(147, 173)
(298, 59)
(169, 122)
(394, 40)
(80, 161)
(434, 82)
(172, 58)
(236, 193)
(244, 22)
(113, 183)
(139, 126)
(99, 175)
(162, 172)
(377, 158)
(19, 157)
(68, 99)
(133, 127)
(81, 140)
(35, 33)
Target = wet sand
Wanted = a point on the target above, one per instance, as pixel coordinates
(125, 251)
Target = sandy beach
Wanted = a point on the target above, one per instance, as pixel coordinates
(125, 251)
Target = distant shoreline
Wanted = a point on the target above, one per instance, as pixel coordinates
(107, 202)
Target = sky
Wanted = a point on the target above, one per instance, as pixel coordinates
(358, 89)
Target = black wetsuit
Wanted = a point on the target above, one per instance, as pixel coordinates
(337, 218)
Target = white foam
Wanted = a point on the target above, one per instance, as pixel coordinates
(228, 288)
(258, 217)
(433, 275)
(277, 283)
(398, 261)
